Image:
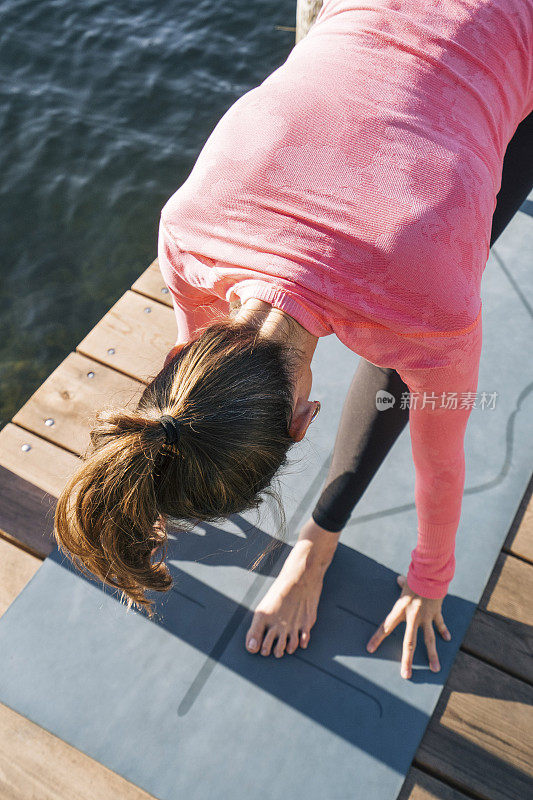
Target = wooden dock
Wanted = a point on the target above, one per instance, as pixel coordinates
(478, 743)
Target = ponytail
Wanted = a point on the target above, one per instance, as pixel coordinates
(106, 519)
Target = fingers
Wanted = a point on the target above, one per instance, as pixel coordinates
(409, 645)
(441, 627)
(413, 620)
(431, 646)
(389, 624)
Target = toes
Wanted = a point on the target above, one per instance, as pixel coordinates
(292, 643)
(280, 646)
(254, 637)
(304, 637)
(268, 641)
(305, 630)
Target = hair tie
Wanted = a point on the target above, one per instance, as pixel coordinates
(172, 428)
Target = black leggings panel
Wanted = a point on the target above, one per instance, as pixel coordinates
(366, 435)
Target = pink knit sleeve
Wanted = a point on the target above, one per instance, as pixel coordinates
(193, 314)
(441, 402)
(194, 307)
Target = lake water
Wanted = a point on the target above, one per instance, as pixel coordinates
(104, 107)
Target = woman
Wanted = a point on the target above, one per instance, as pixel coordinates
(351, 192)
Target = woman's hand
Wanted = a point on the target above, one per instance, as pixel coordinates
(415, 611)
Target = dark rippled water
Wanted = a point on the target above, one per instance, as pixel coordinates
(104, 107)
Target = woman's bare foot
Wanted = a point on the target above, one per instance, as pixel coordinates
(289, 608)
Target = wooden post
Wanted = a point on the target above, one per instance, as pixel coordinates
(306, 14)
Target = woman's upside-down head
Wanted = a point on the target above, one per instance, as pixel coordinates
(232, 392)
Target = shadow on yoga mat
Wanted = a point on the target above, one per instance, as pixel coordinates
(141, 696)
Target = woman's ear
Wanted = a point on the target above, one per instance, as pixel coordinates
(302, 417)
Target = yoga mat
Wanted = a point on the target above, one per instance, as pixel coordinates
(179, 707)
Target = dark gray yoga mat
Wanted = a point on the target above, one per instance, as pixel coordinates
(180, 708)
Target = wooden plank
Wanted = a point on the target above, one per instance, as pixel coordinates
(36, 764)
(501, 631)
(16, 569)
(64, 407)
(306, 14)
(26, 514)
(480, 737)
(30, 482)
(419, 785)
(44, 465)
(151, 284)
(134, 337)
(519, 540)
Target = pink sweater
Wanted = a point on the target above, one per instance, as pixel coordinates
(354, 189)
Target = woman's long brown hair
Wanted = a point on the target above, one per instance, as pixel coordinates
(232, 393)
